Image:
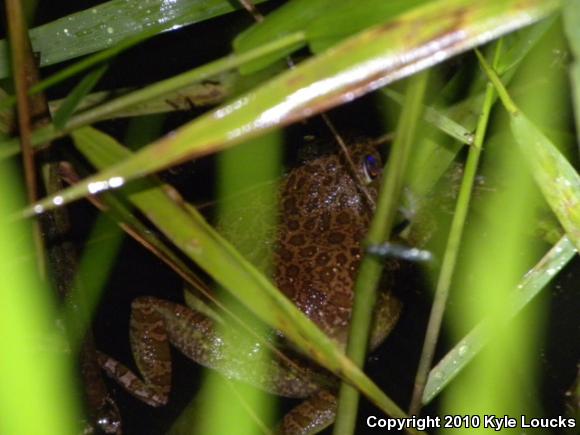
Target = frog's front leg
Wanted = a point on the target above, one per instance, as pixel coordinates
(155, 323)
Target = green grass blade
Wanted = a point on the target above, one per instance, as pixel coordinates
(36, 389)
(359, 65)
(278, 25)
(112, 22)
(249, 228)
(571, 16)
(95, 265)
(70, 104)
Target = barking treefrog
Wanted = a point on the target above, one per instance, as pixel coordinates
(322, 218)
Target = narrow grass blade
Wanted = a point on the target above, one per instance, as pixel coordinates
(571, 16)
(72, 101)
(248, 225)
(359, 65)
(93, 271)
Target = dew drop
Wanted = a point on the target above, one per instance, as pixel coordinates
(97, 186)
(116, 182)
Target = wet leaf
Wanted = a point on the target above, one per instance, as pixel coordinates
(74, 98)
(109, 23)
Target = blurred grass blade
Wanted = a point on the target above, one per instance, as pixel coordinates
(36, 388)
(110, 23)
(247, 222)
(359, 65)
(530, 285)
(73, 99)
(92, 275)
(187, 229)
(555, 176)
(571, 16)
(524, 43)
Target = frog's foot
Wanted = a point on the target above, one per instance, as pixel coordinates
(155, 324)
(150, 346)
(311, 416)
(150, 393)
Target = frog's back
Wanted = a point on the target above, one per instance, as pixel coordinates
(323, 218)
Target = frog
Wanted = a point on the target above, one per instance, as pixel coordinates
(325, 208)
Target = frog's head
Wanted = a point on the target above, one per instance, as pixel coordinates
(330, 183)
(367, 161)
(368, 165)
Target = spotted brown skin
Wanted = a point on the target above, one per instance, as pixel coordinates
(316, 250)
(324, 216)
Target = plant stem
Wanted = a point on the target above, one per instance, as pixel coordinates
(23, 73)
(499, 87)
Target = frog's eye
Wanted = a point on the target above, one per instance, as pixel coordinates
(372, 168)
